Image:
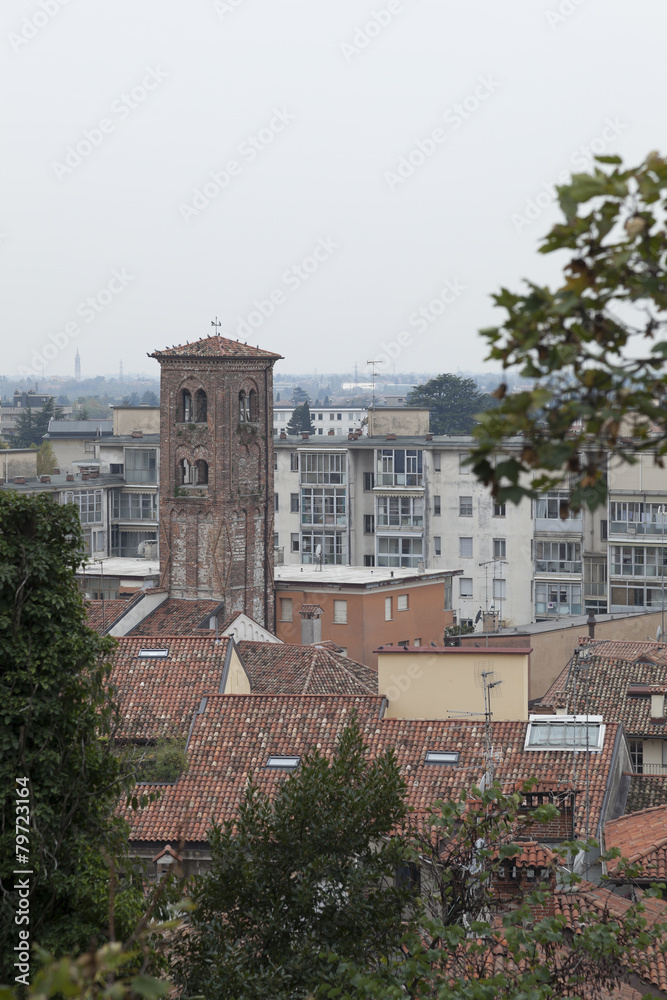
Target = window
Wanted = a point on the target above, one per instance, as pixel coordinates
(402, 602)
(436, 462)
(436, 506)
(286, 609)
(465, 506)
(604, 530)
(153, 654)
(565, 732)
(134, 506)
(319, 416)
(130, 543)
(369, 524)
(276, 501)
(499, 589)
(253, 406)
(442, 757)
(369, 481)
(244, 407)
(638, 560)
(408, 876)
(399, 467)
(465, 586)
(294, 461)
(636, 748)
(294, 503)
(464, 469)
(141, 465)
(324, 469)
(558, 599)
(294, 542)
(332, 547)
(284, 763)
(323, 506)
(186, 407)
(499, 548)
(339, 416)
(400, 551)
(116, 469)
(417, 642)
(340, 613)
(276, 539)
(635, 518)
(437, 545)
(387, 609)
(553, 505)
(200, 407)
(558, 557)
(499, 510)
(201, 472)
(400, 512)
(369, 560)
(465, 548)
(89, 503)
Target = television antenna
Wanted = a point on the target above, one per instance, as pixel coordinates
(373, 365)
(491, 756)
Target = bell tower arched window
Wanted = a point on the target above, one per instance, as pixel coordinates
(202, 472)
(253, 406)
(186, 408)
(244, 411)
(185, 472)
(200, 407)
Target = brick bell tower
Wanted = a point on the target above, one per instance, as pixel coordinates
(216, 474)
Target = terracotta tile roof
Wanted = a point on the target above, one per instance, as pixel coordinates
(641, 838)
(609, 679)
(275, 668)
(161, 696)
(311, 609)
(236, 733)
(646, 790)
(103, 614)
(214, 347)
(177, 616)
(650, 965)
(626, 649)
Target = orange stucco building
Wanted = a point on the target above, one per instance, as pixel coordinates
(363, 608)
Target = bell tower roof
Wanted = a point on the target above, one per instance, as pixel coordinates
(214, 347)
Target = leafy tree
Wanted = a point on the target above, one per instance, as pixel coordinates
(300, 877)
(301, 421)
(453, 403)
(58, 714)
(149, 398)
(595, 345)
(45, 459)
(327, 401)
(299, 395)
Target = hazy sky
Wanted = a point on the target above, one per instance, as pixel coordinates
(339, 181)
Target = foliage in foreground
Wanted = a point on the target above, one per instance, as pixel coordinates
(58, 713)
(596, 345)
(294, 880)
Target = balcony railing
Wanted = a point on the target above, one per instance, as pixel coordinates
(649, 768)
(557, 566)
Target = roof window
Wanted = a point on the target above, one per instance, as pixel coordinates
(281, 762)
(565, 732)
(153, 654)
(442, 757)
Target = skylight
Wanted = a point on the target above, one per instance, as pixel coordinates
(284, 763)
(565, 732)
(153, 654)
(442, 757)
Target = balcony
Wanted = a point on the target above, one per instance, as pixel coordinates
(557, 566)
(649, 769)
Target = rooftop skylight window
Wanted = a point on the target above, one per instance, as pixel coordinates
(284, 763)
(153, 654)
(442, 757)
(565, 732)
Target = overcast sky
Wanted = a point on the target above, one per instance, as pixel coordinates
(339, 182)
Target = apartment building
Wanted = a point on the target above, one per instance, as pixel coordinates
(327, 420)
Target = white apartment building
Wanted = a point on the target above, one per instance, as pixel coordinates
(336, 420)
(410, 500)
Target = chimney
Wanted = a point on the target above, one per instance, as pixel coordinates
(69, 478)
(56, 472)
(305, 436)
(19, 480)
(591, 622)
(283, 436)
(311, 624)
(331, 432)
(137, 434)
(45, 479)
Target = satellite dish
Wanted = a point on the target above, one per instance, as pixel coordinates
(318, 551)
(658, 634)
